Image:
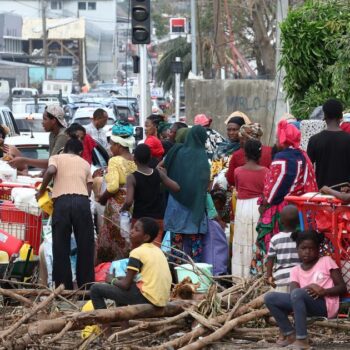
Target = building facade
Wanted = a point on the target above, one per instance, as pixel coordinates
(101, 28)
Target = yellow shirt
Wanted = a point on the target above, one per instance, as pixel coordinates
(118, 170)
(155, 281)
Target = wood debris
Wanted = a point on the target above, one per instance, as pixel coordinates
(50, 320)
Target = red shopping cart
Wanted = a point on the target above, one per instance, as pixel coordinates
(23, 222)
(328, 215)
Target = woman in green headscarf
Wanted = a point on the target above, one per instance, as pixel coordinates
(185, 217)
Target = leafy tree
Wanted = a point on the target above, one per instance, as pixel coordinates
(161, 25)
(316, 54)
(175, 48)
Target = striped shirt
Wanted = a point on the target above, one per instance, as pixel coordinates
(284, 250)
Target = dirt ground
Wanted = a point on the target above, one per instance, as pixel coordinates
(246, 345)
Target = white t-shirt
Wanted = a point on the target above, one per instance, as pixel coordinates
(98, 135)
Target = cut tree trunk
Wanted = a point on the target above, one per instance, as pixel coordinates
(81, 319)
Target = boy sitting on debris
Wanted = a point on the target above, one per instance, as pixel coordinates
(147, 260)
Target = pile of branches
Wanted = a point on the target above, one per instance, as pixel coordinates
(38, 320)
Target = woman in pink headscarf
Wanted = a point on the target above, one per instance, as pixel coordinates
(214, 138)
(290, 173)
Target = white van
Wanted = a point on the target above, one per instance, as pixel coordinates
(53, 87)
(18, 92)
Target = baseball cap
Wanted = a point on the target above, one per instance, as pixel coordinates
(58, 113)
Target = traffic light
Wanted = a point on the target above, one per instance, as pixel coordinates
(141, 21)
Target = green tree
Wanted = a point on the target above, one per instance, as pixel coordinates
(175, 48)
(161, 25)
(316, 55)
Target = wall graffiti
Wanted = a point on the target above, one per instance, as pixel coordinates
(250, 104)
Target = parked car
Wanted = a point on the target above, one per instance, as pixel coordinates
(83, 116)
(126, 111)
(33, 145)
(71, 108)
(7, 119)
(163, 103)
(156, 108)
(29, 122)
(36, 146)
(24, 92)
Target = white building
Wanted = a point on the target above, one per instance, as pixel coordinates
(100, 18)
(101, 13)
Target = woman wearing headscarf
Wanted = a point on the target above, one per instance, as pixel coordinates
(227, 148)
(110, 244)
(185, 216)
(214, 138)
(181, 135)
(251, 131)
(291, 173)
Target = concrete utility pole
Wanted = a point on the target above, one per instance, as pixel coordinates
(177, 92)
(115, 42)
(144, 96)
(43, 16)
(194, 36)
(281, 105)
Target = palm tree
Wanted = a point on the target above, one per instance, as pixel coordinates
(175, 48)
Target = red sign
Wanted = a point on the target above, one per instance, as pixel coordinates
(178, 25)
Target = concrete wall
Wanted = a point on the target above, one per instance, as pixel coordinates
(219, 98)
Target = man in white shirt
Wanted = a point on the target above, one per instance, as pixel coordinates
(95, 128)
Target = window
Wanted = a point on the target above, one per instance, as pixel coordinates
(91, 5)
(56, 5)
(84, 5)
(81, 5)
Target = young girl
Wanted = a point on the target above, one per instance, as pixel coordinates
(249, 180)
(143, 190)
(315, 287)
(147, 260)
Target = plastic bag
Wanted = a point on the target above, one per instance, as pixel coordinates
(166, 243)
(125, 224)
(101, 271)
(215, 248)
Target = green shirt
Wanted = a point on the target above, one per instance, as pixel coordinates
(57, 142)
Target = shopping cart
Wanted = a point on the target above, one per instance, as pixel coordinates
(328, 215)
(25, 223)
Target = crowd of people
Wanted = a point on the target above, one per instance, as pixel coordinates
(176, 184)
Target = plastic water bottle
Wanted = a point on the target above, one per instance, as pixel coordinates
(125, 224)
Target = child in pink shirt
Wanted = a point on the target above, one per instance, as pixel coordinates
(315, 287)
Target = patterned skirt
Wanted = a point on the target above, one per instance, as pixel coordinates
(110, 244)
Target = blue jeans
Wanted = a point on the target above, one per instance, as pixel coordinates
(300, 303)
